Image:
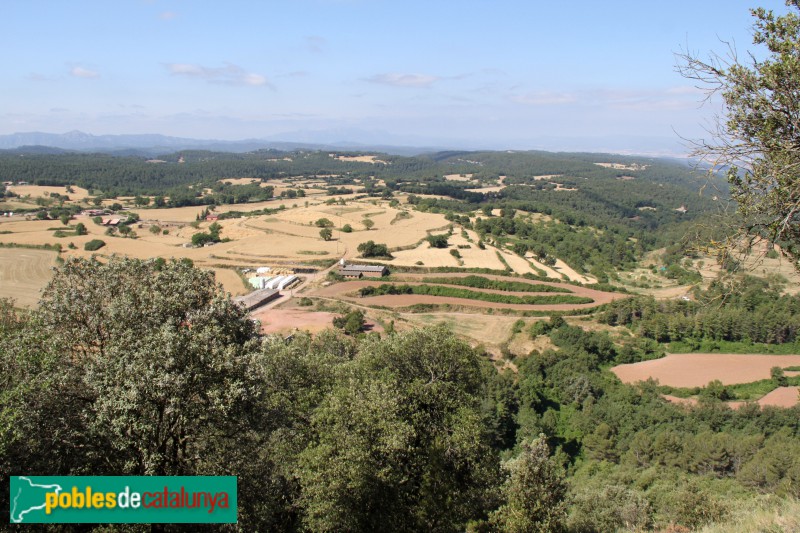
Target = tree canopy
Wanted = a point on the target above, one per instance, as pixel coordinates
(757, 140)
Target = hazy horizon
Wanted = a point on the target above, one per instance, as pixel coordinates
(477, 75)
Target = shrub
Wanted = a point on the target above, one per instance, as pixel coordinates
(352, 323)
(437, 241)
(94, 244)
(372, 249)
(200, 239)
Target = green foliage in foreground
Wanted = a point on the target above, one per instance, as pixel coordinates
(134, 368)
(480, 282)
(453, 292)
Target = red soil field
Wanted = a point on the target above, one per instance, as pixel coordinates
(275, 320)
(780, 397)
(698, 369)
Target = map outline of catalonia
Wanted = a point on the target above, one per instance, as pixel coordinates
(18, 516)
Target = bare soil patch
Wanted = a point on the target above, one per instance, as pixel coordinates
(698, 369)
(781, 397)
(278, 320)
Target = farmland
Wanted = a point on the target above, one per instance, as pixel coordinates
(693, 370)
(24, 273)
(698, 369)
(553, 269)
(354, 291)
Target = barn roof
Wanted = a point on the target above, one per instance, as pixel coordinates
(363, 268)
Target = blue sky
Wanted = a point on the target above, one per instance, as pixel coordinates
(584, 75)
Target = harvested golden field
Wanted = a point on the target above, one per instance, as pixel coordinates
(360, 159)
(12, 205)
(568, 271)
(620, 166)
(285, 238)
(541, 266)
(239, 181)
(458, 177)
(518, 264)
(189, 214)
(496, 188)
(42, 191)
(24, 273)
(481, 329)
(698, 369)
(231, 281)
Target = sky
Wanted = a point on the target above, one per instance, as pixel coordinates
(498, 74)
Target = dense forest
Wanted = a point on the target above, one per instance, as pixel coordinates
(749, 310)
(413, 431)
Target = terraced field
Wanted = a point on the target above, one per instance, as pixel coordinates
(547, 293)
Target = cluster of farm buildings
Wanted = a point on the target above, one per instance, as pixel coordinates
(268, 282)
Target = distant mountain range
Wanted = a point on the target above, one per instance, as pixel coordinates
(154, 144)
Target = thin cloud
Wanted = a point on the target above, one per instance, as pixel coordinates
(80, 72)
(167, 15)
(674, 98)
(404, 80)
(230, 74)
(685, 89)
(545, 98)
(35, 76)
(315, 43)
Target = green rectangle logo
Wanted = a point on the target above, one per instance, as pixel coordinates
(123, 499)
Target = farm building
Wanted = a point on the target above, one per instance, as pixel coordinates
(274, 282)
(286, 282)
(257, 298)
(259, 282)
(366, 271)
